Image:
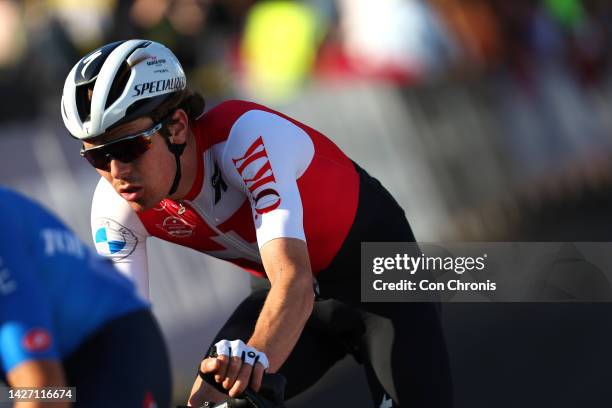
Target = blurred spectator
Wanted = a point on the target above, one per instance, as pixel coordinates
(279, 46)
(397, 39)
(12, 34)
(568, 13)
(13, 49)
(85, 21)
(475, 26)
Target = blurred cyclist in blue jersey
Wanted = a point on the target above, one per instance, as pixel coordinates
(67, 318)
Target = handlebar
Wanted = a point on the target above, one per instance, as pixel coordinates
(270, 395)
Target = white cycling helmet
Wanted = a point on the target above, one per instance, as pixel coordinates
(118, 83)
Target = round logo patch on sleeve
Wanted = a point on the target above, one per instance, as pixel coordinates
(37, 340)
(113, 239)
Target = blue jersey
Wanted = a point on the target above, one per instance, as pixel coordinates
(54, 291)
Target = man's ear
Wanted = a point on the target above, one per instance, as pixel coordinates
(179, 127)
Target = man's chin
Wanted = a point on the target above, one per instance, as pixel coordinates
(140, 201)
(137, 206)
(140, 205)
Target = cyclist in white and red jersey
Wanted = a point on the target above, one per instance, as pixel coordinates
(250, 185)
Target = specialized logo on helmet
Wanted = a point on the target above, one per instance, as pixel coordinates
(162, 85)
(176, 227)
(114, 240)
(256, 172)
(37, 340)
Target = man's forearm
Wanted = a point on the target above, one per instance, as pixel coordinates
(282, 319)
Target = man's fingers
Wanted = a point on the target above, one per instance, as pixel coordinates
(257, 376)
(242, 381)
(195, 397)
(210, 365)
(202, 392)
(222, 371)
(232, 372)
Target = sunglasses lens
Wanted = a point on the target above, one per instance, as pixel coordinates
(130, 149)
(125, 151)
(98, 159)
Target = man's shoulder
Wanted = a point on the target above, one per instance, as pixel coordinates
(218, 122)
(232, 109)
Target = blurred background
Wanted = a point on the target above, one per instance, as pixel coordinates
(488, 120)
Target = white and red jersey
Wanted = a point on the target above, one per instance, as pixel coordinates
(261, 175)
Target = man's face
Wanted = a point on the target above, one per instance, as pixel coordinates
(146, 180)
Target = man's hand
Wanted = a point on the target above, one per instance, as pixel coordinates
(232, 373)
(201, 391)
(240, 366)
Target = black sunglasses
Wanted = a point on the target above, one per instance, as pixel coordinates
(126, 149)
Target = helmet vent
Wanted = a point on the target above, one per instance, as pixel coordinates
(118, 85)
(83, 100)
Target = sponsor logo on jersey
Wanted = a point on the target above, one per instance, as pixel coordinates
(176, 227)
(256, 171)
(59, 241)
(37, 340)
(149, 401)
(113, 239)
(218, 183)
(161, 206)
(159, 86)
(7, 283)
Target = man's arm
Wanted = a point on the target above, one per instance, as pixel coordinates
(284, 314)
(38, 373)
(28, 351)
(279, 326)
(290, 301)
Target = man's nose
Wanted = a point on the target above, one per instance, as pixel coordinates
(119, 169)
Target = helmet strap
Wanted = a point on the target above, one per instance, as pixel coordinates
(177, 150)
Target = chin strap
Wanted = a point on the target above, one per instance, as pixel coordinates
(177, 150)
